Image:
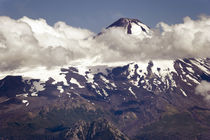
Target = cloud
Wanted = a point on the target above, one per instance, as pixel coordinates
(28, 43)
(203, 89)
(188, 39)
(32, 43)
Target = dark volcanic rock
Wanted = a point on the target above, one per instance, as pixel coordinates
(10, 86)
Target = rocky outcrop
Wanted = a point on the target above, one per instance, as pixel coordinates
(100, 129)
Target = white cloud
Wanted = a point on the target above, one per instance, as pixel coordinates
(27, 42)
(203, 89)
(188, 39)
(31, 43)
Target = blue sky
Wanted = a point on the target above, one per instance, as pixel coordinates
(96, 14)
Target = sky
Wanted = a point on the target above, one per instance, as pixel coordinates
(97, 14)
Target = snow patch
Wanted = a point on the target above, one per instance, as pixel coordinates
(60, 89)
(190, 69)
(105, 93)
(200, 66)
(89, 78)
(24, 95)
(131, 70)
(192, 79)
(34, 94)
(183, 92)
(136, 30)
(39, 86)
(25, 102)
(131, 91)
(74, 81)
(104, 79)
(69, 94)
(41, 73)
(113, 84)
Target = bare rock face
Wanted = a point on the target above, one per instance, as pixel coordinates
(100, 129)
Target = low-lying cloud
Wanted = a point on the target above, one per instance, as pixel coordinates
(30, 43)
(203, 89)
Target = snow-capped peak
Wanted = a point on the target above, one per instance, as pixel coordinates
(132, 26)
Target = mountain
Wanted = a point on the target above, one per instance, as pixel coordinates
(154, 99)
(132, 26)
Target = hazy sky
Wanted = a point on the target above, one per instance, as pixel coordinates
(96, 14)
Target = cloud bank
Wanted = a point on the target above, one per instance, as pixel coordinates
(31, 43)
(188, 39)
(27, 43)
(204, 90)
